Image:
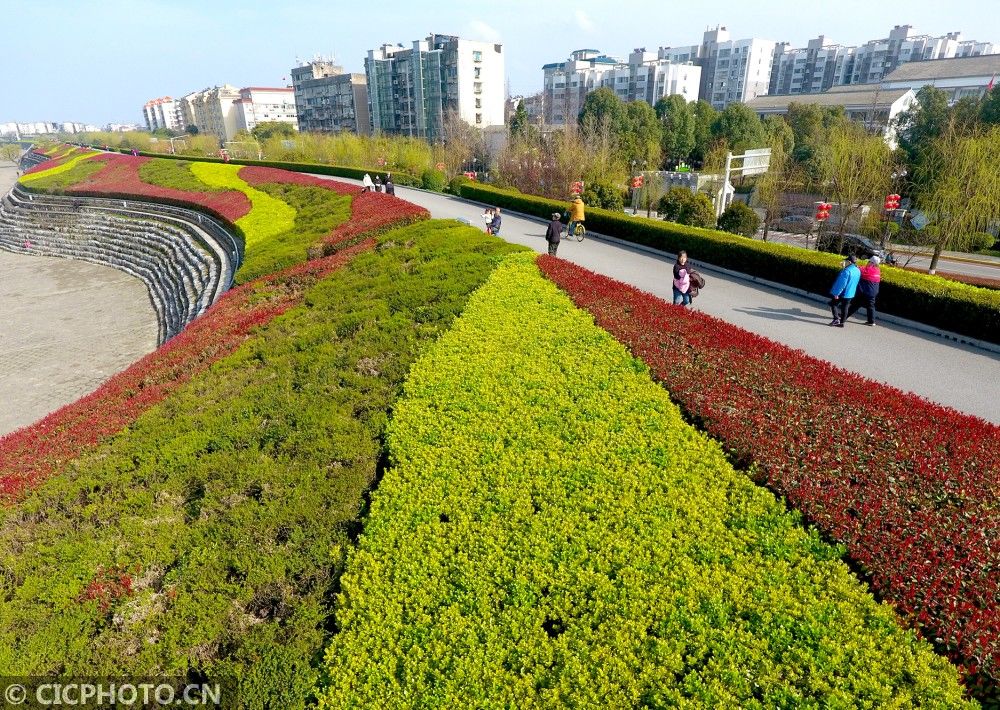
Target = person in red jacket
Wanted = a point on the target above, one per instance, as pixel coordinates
(871, 277)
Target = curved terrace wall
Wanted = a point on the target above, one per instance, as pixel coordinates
(186, 259)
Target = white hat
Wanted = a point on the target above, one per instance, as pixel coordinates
(874, 260)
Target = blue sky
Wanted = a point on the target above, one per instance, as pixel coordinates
(100, 60)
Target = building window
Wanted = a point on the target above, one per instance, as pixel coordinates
(479, 118)
(479, 103)
(477, 56)
(477, 87)
(476, 69)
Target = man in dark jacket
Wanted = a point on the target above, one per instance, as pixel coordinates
(553, 233)
(495, 224)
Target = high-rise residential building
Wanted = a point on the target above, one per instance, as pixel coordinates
(412, 91)
(565, 85)
(733, 70)
(876, 59)
(646, 76)
(161, 113)
(260, 104)
(213, 111)
(328, 99)
(811, 69)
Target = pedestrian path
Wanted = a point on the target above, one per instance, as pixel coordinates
(949, 373)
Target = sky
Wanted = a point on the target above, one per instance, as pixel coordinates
(99, 61)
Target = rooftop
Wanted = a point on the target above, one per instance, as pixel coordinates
(855, 95)
(931, 69)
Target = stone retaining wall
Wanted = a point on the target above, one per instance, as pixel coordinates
(186, 259)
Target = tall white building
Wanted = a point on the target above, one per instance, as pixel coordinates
(810, 69)
(260, 104)
(733, 70)
(212, 111)
(876, 59)
(412, 90)
(161, 113)
(646, 76)
(329, 99)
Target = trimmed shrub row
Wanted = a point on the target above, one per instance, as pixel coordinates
(910, 487)
(207, 539)
(956, 307)
(553, 534)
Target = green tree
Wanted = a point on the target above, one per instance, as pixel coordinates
(264, 130)
(989, 111)
(924, 121)
(777, 131)
(740, 127)
(811, 128)
(739, 219)
(861, 171)
(670, 205)
(519, 121)
(677, 121)
(10, 152)
(958, 186)
(600, 106)
(772, 184)
(602, 195)
(698, 212)
(641, 134)
(704, 118)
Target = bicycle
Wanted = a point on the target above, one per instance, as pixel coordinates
(579, 232)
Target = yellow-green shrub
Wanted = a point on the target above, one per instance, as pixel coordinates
(268, 217)
(553, 534)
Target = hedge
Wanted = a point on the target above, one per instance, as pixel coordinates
(207, 539)
(956, 307)
(553, 534)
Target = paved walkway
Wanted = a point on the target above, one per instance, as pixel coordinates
(956, 375)
(66, 326)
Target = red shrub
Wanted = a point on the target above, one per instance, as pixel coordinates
(910, 487)
(120, 178)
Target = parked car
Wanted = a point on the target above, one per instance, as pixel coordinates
(794, 223)
(859, 246)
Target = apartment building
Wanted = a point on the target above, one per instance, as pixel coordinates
(733, 70)
(412, 91)
(328, 99)
(646, 76)
(878, 58)
(161, 113)
(261, 104)
(816, 67)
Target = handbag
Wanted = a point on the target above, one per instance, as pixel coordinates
(697, 280)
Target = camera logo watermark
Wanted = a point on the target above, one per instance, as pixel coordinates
(115, 692)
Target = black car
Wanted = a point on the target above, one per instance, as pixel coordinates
(854, 245)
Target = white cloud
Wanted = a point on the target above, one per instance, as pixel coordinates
(482, 31)
(584, 22)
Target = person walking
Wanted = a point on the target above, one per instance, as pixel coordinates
(378, 184)
(682, 280)
(495, 224)
(553, 233)
(390, 186)
(366, 183)
(577, 214)
(871, 277)
(487, 218)
(843, 290)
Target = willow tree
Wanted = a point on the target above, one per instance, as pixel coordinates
(959, 186)
(771, 185)
(860, 172)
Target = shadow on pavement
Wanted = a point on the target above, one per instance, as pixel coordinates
(788, 314)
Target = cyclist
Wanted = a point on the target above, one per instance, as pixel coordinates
(576, 215)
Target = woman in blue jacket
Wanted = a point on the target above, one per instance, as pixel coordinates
(843, 290)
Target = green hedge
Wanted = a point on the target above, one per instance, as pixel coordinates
(553, 534)
(232, 503)
(398, 178)
(952, 306)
